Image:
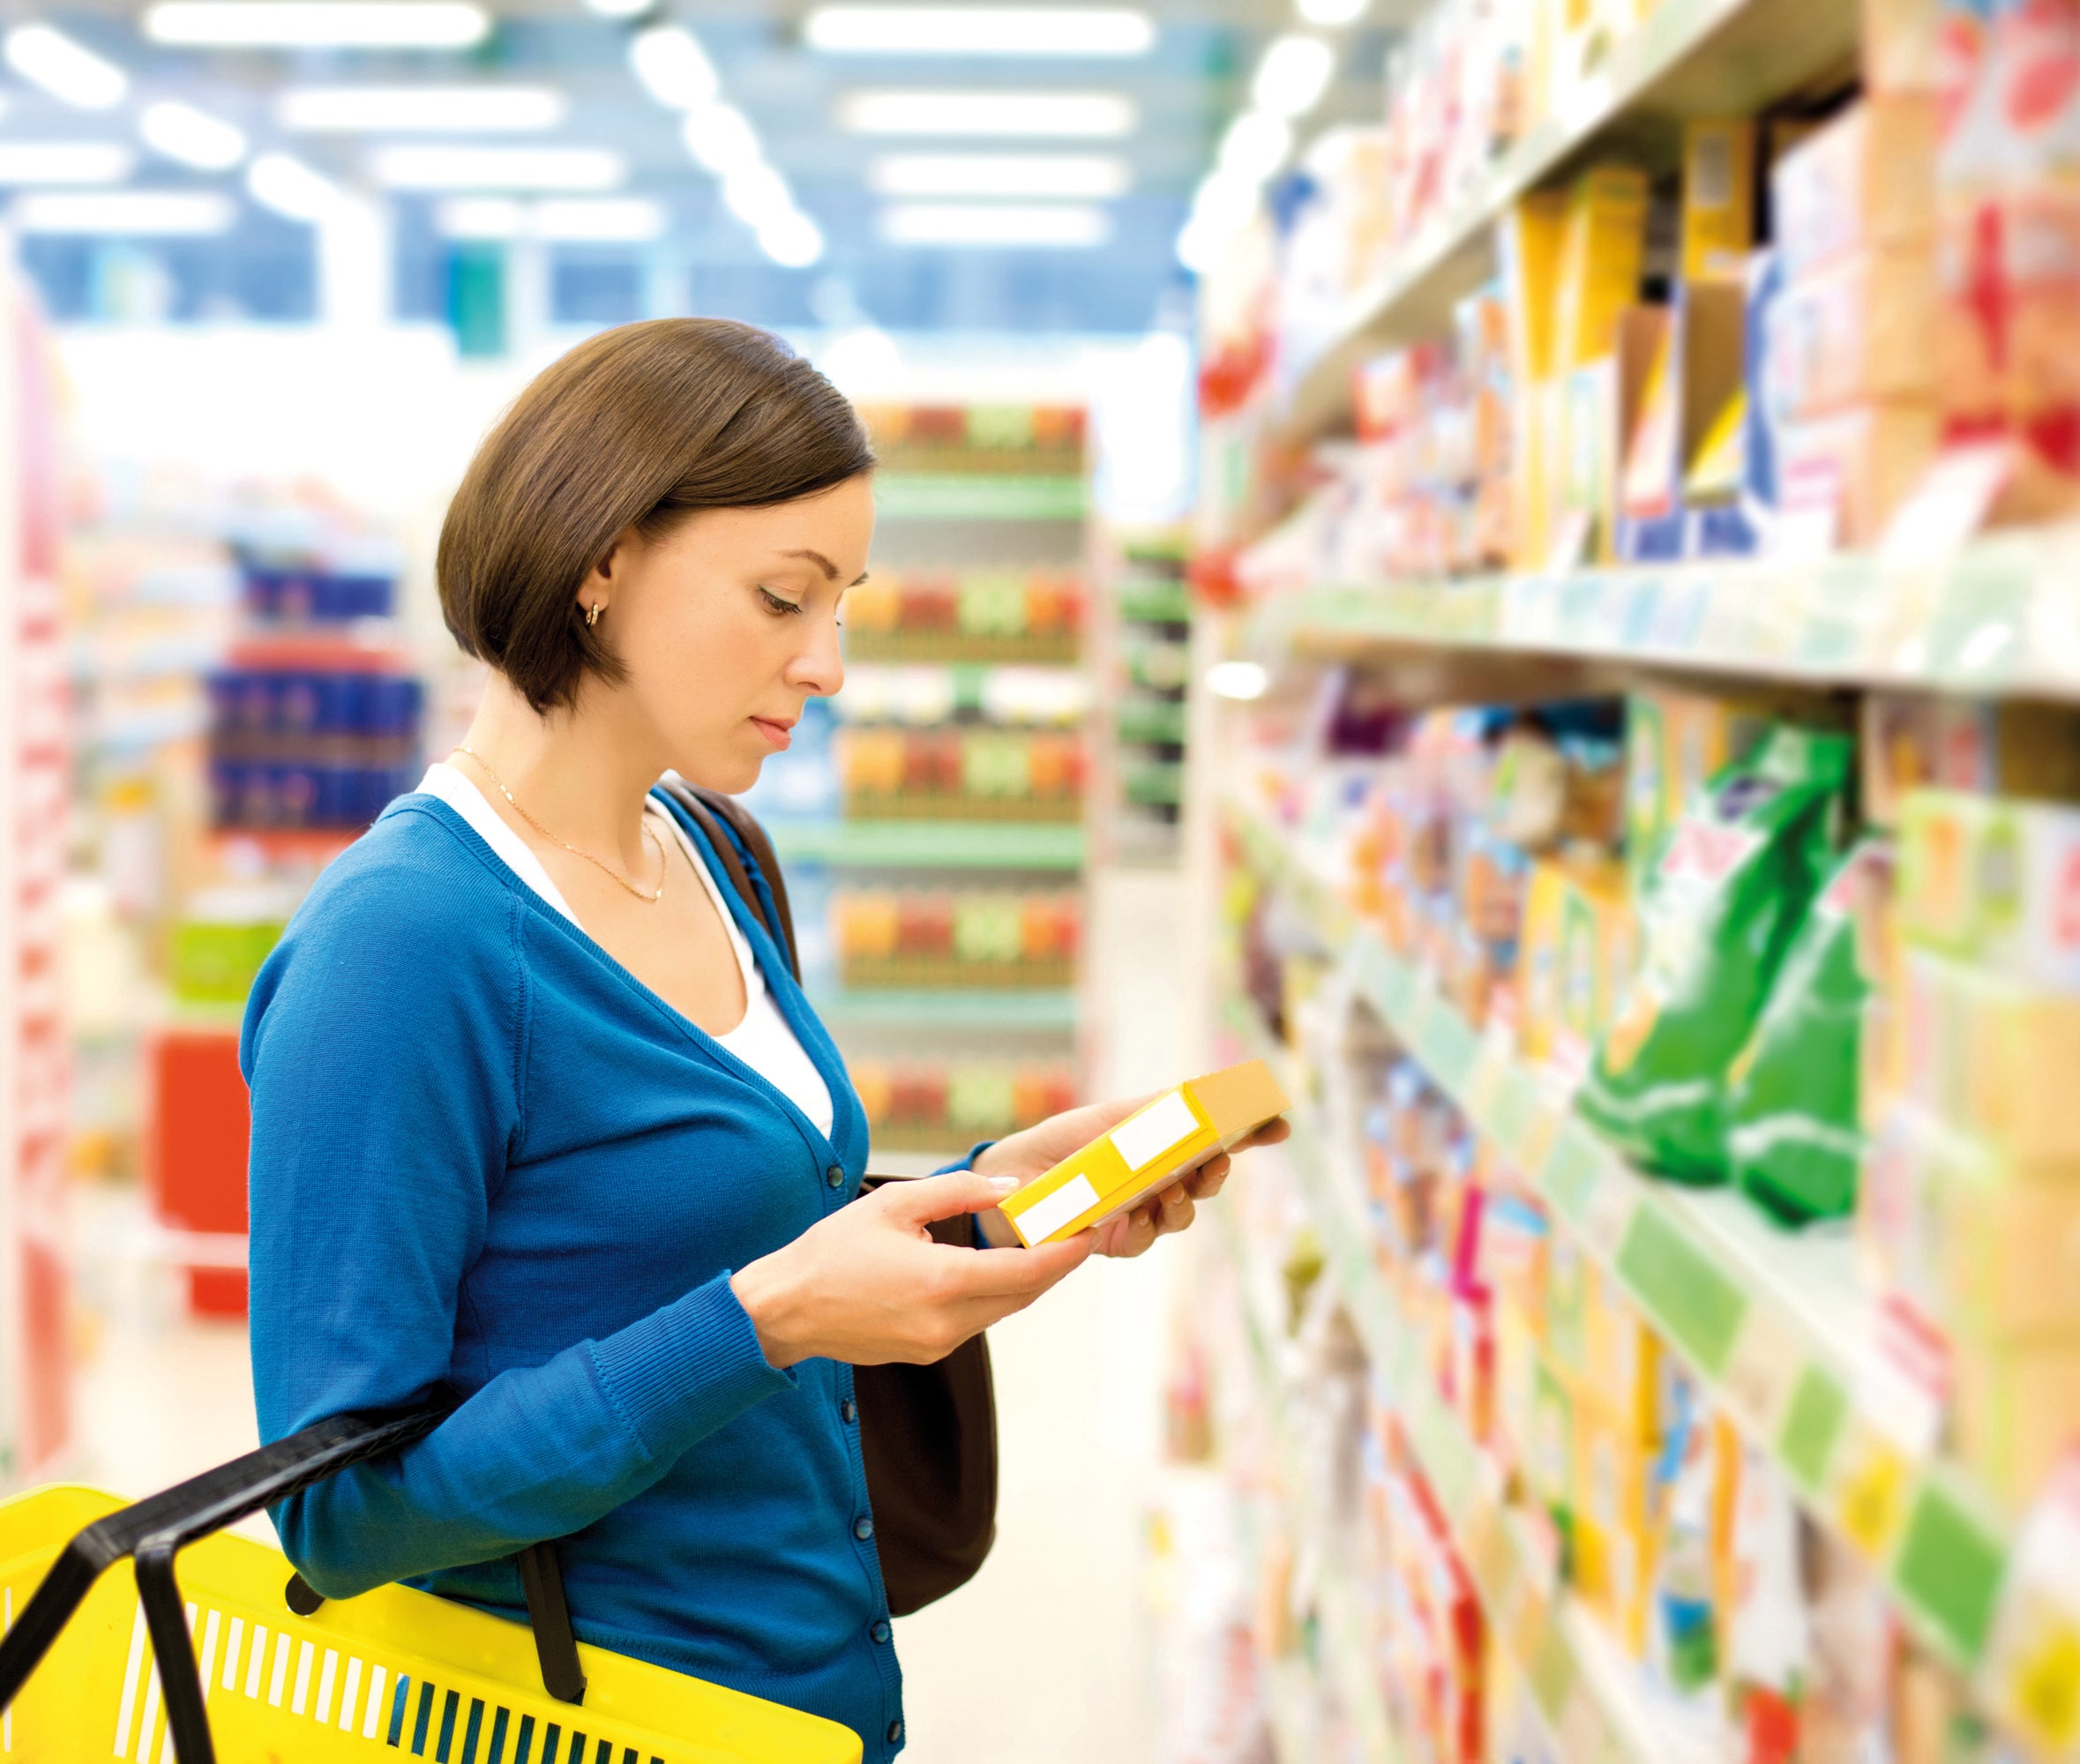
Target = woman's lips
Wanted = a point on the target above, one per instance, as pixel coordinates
(777, 733)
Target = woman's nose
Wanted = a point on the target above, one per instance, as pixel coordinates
(819, 666)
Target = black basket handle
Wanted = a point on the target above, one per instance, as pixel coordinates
(155, 1529)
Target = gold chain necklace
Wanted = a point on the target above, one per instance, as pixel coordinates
(649, 833)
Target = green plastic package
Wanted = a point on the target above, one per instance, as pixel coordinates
(1725, 896)
(1792, 1137)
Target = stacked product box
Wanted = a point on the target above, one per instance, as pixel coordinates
(976, 772)
(995, 440)
(1033, 615)
(937, 1104)
(312, 746)
(917, 936)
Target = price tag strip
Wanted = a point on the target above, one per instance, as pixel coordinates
(2011, 1623)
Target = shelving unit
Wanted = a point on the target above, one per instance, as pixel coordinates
(930, 845)
(963, 496)
(1999, 618)
(1039, 1012)
(1690, 57)
(1777, 1325)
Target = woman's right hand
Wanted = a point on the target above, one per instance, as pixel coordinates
(867, 1285)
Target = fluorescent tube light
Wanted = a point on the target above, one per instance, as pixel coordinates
(564, 220)
(1090, 116)
(1090, 175)
(1055, 225)
(673, 67)
(1254, 147)
(981, 30)
(422, 109)
(318, 24)
(290, 187)
(721, 139)
(193, 136)
(792, 240)
(756, 194)
(1292, 76)
(1332, 13)
(133, 213)
(67, 69)
(619, 8)
(430, 168)
(64, 161)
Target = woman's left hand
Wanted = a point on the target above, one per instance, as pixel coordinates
(1037, 1149)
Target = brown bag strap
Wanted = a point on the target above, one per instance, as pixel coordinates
(711, 809)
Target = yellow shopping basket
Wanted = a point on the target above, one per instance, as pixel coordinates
(245, 1664)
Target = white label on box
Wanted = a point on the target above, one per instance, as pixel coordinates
(1167, 1122)
(1043, 1218)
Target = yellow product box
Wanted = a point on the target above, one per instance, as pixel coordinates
(1997, 879)
(1856, 329)
(1915, 741)
(1530, 239)
(1577, 950)
(1601, 255)
(1517, 1381)
(1866, 179)
(1568, 1275)
(2014, 1413)
(1988, 1250)
(1611, 1537)
(1718, 226)
(1549, 1467)
(1179, 1131)
(1991, 1056)
(1623, 1381)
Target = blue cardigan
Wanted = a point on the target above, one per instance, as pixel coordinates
(485, 1155)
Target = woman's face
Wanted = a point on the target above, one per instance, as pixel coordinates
(728, 625)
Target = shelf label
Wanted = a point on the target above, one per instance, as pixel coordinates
(1682, 1287)
(1763, 1371)
(1573, 1171)
(1949, 1567)
(1812, 1427)
(1870, 1491)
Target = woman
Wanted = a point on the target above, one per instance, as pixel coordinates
(539, 1114)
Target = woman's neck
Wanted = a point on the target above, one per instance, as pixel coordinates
(579, 773)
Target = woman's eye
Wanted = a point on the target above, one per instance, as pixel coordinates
(774, 603)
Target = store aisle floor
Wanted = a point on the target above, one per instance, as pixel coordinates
(1077, 1383)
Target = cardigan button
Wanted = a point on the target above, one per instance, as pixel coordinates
(835, 1176)
(895, 1733)
(863, 1528)
(881, 1631)
(848, 1412)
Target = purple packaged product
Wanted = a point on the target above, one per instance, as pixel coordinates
(1759, 491)
(355, 596)
(299, 699)
(1656, 540)
(1723, 532)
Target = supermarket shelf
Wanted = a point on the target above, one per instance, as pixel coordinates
(2001, 617)
(930, 845)
(1690, 57)
(1154, 602)
(1596, 1714)
(1158, 783)
(1153, 722)
(960, 496)
(1040, 1011)
(1779, 1325)
(957, 648)
(1346, 1656)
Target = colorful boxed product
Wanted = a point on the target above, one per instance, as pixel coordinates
(1992, 1056)
(1148, 1150)
(1611, 1537)
(1578, 951)
(1855, 331)
(1603, 251)
(2014, 1413)
(1864, 182)
(1841, 476)
(1910, 741)
(1993, 880)
(1718, 213)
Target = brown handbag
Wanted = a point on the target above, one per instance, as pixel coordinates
(928, 1433)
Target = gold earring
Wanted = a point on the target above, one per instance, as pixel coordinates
(591, 615)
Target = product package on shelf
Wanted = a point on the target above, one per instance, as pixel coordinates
(966, 937)
(976, 616)
(978, 440)
(948, 1106)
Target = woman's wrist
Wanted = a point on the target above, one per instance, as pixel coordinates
(765, 1291)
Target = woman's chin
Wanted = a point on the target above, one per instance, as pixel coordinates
(732, 775)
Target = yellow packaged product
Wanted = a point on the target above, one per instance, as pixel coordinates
(1992, 1056)
(1913, 741)
(1576, 954)
(2014, 1413)
(1995, 879)
(1674, 741)
(1718, 221)
(1602, 257)
(1612, 1532)
(1180, 1130)
(1623, 1375)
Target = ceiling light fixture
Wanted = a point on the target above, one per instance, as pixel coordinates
(1254, 147)
(792, 240)
(673, 67)
(1008, 224)
(756, 194)
(601, 219)
(422, 109)
(1092, 176)
(193, 136)
(318, 24)
(721, 139)
(64, 161)
(619, 8)
(477, 218)
(1088, 116)
(1292, 76)
(980, 30)
(69, 70)
(434, 167)
(126, 213)
(1332, 13)
(290, 187)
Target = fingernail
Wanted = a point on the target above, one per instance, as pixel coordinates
(1003, 1184)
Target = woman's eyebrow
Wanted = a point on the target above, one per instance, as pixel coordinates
(829, 569)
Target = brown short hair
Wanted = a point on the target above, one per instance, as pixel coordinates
(637, 427)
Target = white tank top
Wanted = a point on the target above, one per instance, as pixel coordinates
(762, 1041)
